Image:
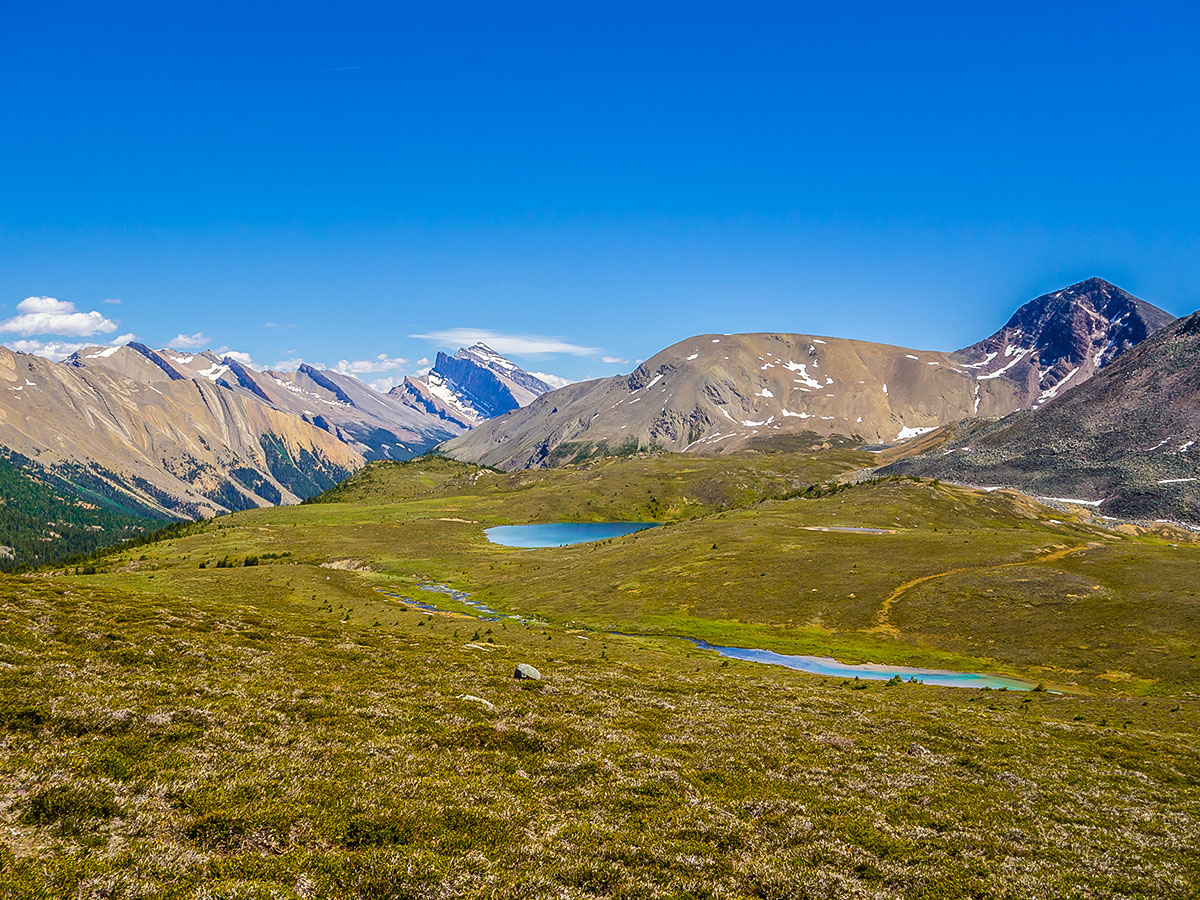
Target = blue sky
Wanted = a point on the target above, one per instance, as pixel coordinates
(587, 183)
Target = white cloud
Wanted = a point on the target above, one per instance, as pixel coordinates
(188, 341)
(381, 363)
(613, 360)
(289, 365)
(112, 300)
(54, 350)
(555, 381)
(243, 358)
(383, 385)
(520, 344)
(279, 325)
(47, 315)
(59, 350)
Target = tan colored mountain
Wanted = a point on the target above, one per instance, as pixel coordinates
(715, 393)
(125, 428)
(718, 392)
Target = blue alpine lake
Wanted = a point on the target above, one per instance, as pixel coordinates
(823, 665)
(560, 534)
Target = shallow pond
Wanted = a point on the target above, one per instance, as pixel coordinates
(560, 534)
(849, 529)
(823, 665)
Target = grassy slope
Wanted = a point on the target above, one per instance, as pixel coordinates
(283, 730)
(732, 570)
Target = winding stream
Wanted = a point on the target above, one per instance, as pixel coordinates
(816, 665)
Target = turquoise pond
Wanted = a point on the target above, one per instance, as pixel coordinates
(560, 534)
(823, 665)
(817, 665)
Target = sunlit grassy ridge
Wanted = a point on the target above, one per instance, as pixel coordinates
(283, 729)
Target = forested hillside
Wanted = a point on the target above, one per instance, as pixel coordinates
(48, 517)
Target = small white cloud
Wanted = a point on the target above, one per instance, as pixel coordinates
(519, 344)
(122, 339)
(112, 300)
(381, 363)
(48, 315)
(289, 365)
(188, 341)
(555, 381)
(279, 325)
(383, 385)
(244, 358)
(55, 350)
(613, 360)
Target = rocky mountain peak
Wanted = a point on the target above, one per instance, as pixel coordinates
(1125, 442)
(473, 385)
(1058, 340)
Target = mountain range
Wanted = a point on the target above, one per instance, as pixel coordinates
(139, 434)
(163, 434)
(720, 392)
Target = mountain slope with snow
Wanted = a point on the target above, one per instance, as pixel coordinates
(1059, 340)
(1126, 442)
(170, 433)
(714, 393)
(473, 385)
(135, 428)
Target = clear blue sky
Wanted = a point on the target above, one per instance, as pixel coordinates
(611, 176)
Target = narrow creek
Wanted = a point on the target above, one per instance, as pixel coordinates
(816, 665)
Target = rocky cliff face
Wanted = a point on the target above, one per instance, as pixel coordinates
(1060, 340)
(1126, 442)
(472, 386)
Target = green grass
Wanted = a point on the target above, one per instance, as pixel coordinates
(733, 566)
(285, 730)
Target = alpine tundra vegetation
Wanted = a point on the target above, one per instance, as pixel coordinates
(340, 718)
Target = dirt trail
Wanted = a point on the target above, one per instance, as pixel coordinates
(883, 618)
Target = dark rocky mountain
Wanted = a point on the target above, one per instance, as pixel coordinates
(1060, 340)
(1126, 442)
(715, 393)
